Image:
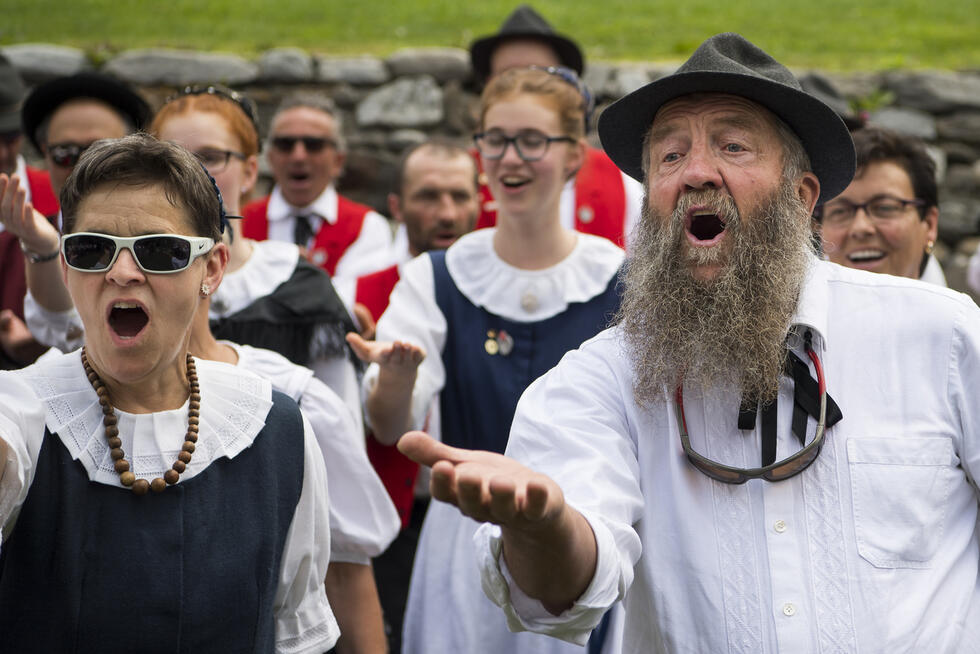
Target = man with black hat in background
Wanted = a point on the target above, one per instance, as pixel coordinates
(62, 117)
(600, 200)
(768, 452)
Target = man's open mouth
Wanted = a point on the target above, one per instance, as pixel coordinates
(705, 225)
(127, 319)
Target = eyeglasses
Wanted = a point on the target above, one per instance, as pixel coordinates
(243, 101)
(216, 160)
(777, 471)
(840, 213)
(66, 155)
(154, 253)
(530, 144)
(311, 144)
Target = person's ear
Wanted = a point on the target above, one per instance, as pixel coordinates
(808, 189)
(931, 219)
(251, 174)
(214, 269)
(576, 158)
(395, 207)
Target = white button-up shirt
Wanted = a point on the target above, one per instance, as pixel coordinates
(873, 548)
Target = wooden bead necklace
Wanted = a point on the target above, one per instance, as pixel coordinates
(109, 419)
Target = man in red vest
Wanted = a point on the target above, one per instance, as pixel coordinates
(601, 199)
(61, 117)
(306, 154)
(435, 202)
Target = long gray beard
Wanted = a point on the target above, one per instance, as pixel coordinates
(727, 332)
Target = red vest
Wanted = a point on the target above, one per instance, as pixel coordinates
(42, 195)
(330, 242)
(13, 285)
(397, 472)
(600, 199)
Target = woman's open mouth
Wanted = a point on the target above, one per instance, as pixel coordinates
(127, 319)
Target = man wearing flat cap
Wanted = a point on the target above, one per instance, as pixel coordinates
(600, 199)
(767, 452)
(61, 118)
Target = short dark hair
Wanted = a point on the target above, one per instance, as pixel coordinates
(876, 145)
(139, 160)
(439, 146)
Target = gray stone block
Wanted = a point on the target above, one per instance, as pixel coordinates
(443, 64)
(179, 67)
(359, 70)
(963, 126)
(958, 218)
(935, 92)
(286, 65)
(906, 121)
(406, 102)
(39, 62)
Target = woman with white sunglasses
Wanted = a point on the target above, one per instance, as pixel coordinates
(148, 499)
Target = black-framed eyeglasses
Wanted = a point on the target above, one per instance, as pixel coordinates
(66, 155)
(215, 160)
(245, 103)
(312, 144)
(882, 208)
(778, 471)
(530, 144)
(154, 253)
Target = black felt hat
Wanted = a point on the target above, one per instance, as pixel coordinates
(47, 97)
(12, 92)
(525, 23)
(727, 63)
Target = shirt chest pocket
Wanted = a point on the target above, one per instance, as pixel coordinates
(900, 490)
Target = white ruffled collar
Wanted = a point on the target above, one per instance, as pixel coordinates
(531, 295)
(271, 263)
(234, 405)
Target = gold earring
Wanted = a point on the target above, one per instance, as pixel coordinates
(205, 289)
(929, 246)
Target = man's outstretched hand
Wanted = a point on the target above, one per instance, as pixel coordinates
(486, 486)
(549, 547)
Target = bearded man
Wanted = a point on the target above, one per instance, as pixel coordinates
(768, 452)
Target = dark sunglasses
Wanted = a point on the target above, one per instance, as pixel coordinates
(285, 144)
(778, 471)
(66, 155)
(154, 253)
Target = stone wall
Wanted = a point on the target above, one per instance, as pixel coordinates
(391, 103)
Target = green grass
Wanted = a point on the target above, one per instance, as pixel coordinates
(829, 34)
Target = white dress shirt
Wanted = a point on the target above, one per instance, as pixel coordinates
(873, 548)
(56, 394)
(371, 250)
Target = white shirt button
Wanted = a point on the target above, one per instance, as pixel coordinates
(779, 526)
(529, 301)
(789, 609)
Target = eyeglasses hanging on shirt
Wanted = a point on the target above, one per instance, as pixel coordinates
(810, 398)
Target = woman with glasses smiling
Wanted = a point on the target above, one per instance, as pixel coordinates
(476, 324)
(151, 500)
(887, 219)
